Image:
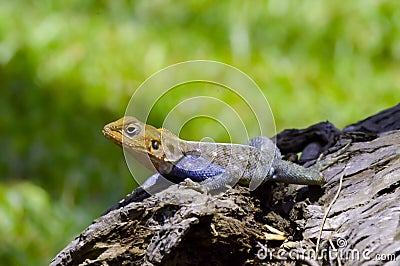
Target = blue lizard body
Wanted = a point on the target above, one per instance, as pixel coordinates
(195, 168)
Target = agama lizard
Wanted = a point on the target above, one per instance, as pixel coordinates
(214, 166)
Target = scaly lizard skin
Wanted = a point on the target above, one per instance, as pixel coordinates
(213, 165)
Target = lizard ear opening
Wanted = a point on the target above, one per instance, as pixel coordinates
(170, 144)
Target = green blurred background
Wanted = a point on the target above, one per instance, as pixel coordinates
(69, 67)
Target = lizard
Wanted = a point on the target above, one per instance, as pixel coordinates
(214, 166)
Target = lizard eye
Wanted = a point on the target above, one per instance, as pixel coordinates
(155, 145)
(131, 130)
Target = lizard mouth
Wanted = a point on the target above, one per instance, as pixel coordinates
(112, 135)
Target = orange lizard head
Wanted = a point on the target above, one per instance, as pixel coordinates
(154, 148)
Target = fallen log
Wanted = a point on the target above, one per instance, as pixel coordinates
(277, 223)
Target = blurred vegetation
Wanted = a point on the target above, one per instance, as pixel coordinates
(69, 67)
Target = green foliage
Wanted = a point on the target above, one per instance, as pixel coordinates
(69, 67)
(34, 224)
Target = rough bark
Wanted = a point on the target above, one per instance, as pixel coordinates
(180, 226)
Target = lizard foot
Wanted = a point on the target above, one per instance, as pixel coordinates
(193, 185)
(342, 154)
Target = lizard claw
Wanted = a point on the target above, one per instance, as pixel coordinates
(193, 185)
(341, 154)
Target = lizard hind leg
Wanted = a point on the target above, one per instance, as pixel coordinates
(341, 154)
(270, 153)
(264, 144)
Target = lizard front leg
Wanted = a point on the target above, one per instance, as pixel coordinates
(219, 183)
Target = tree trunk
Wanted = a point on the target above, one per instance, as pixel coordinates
(180, 226)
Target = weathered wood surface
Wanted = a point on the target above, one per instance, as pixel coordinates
(364, 222)
(181, 226)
